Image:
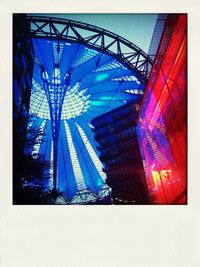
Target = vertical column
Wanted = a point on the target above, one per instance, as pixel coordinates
(55, 93)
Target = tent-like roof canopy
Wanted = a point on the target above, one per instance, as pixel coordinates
(81, 82)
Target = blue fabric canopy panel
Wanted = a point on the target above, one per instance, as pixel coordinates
(98, 83)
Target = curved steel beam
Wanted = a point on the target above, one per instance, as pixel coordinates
(94, 37)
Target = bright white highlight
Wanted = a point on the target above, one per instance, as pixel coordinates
(110, 66)
(51, 168)
(127, 78)
(75, 102)
(38, 141)
(92, 153)
(74, 159)
(57, 56)
(134, 91)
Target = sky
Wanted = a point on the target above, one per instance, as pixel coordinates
(137, 28)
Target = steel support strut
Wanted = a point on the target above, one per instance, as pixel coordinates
(97, 38)
(55, 92)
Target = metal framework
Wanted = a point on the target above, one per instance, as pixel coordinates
(92, 36)
(80, 71)
(55, 92)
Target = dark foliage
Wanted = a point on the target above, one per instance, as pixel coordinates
(29, 178)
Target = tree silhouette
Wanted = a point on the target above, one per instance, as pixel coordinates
(30, 179)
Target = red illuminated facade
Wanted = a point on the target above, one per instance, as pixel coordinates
(162, 122)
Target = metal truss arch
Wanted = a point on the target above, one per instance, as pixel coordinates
(95, 37)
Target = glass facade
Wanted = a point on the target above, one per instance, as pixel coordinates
(162, 127)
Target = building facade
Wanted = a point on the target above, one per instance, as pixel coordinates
(162, 122)
(119, 150)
